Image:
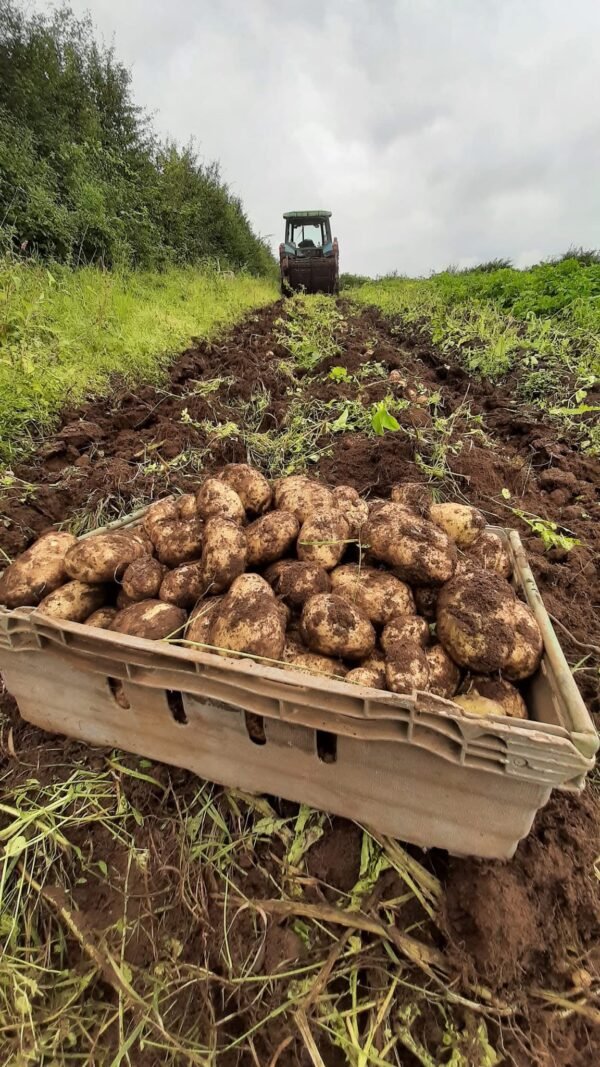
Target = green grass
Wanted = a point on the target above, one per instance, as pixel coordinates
(63, 333)
(541, 325)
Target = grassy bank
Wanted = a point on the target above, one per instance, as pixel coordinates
(541, 326)
(64, 332)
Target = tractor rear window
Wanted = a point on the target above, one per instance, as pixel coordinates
(308, 234)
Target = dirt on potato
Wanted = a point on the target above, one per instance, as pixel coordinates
(526, 930)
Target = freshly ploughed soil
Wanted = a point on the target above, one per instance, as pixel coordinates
(525, 929)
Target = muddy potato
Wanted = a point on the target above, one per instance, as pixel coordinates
(476, 621)
(178, 541)
(406, 669)
(413, 495)
(497, 689)
(444, 675)
(461, 522)
(295, 581)
(418, 551)
(157, 513)
(378, 594)
(198, 627)
(124, 601)
(270, 537)
(249, 619)
(477, 705)
(102, 619)
(104, 557)
(370, 677)
(38, 571)
(299, 657)
(527, 650)
(152, 619)
(73, 601)
(302, 496)
(186, 506)
(333, 627)
(224, 554)
(354, 509)
(404, 628)
(426, 600)
(142, 579)
(140, 537)
(250, 485)
(323, 539)
(216, 499)
(489, 552)
(183, 585)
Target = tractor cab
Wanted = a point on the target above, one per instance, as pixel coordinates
(308, 257)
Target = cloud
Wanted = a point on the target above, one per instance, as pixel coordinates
(435, 132)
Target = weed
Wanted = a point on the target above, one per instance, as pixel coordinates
(309, 330)
(547, 531)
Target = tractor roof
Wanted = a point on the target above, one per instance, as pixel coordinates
(318, 214)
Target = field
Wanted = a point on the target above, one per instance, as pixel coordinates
(152, 918)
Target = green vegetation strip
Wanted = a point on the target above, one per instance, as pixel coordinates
(64, 332)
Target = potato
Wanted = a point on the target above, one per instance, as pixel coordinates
(178, 541)
(102, 619)
(298, 656)
(38, 571)
(528, 648)
(489, 551)
(200, 619)
(73, 601)
(426, 600)
(475, 621)
(498, 690)
(417, 550)
(183, 585)
(413, 495)
(142, 579)
(224, 554)
(157, 513)
(103, 558)
(186, 506)
(444, 675)
(370, 677)
(250, 485)
(376, 593)
(407, 669)
(270, 537)
(216, 498)
(323, 539)
(302, 496)
(461, 522)
(124, 601)
(333, 627)
(152, 619)
(476, 705)
(354, 509)
(404, 628)
(249, 619)
(295, 581)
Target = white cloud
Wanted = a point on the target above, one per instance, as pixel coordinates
(436, 132)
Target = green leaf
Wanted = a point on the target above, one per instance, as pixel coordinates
(381, 420)
(341, 422)
(506, 494)
(15, 846)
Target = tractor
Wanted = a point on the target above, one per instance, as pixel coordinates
(309, 258)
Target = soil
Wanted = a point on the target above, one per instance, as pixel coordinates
(519, 928)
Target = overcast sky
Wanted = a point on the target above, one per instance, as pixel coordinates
(437, 131)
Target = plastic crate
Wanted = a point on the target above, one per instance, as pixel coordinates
(414, 767)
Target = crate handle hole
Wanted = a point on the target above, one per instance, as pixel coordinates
(326, 746)
(255, 728)
(118, 693)
(175, 702)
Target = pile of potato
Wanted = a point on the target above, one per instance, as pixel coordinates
(398, 594)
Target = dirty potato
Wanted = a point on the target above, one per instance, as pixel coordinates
(426, 600)
(178, 541)
(250, 485)
(476, 621)
(198, 626)
(224, 554)
(183, 585)
(323, 539)
(462, 523)
(38, 571)
(157, 513)
(302, 496)
(404, 628)
(418, 551)
(216, 499)
(104, 557)
(152, 619)
(142, 579)
(102, 619)
(299, 657)
(249, 619)
(497, 689)
(489, 551)
(73, 601)
(444, 675)
(333, 627)
(528, 648)
(186, 506)
(378, 594)
(354, 509)
(474, 704)
(407, 668)
(413, 495)
(295, 581)
(369, 677)
(270, 537)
